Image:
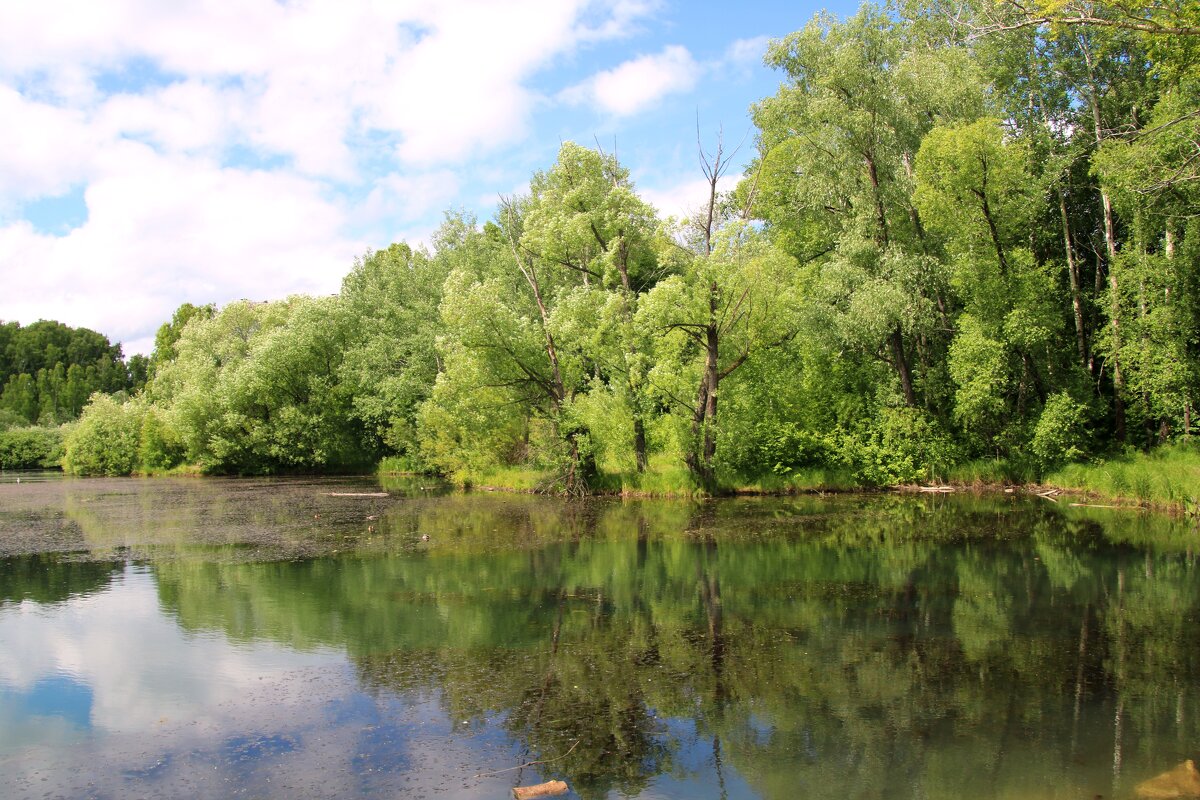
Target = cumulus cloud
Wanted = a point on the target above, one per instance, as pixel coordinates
(161, 230)
(639, 83)
(685, 196)
(407, 196)
(746, 52)
(227, 150)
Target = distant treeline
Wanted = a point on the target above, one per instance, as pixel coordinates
(48, 371)
(967, 234)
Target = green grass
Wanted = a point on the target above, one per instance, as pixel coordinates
(398, 465)
(179, 470)
(800, 481)
(512, 479)
(990, 472)
(664, 478)
(1168, 477)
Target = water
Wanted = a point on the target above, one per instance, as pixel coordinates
(286, 638)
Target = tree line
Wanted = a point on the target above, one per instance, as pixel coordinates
(49, 370)
(966, 232)
(48, 373)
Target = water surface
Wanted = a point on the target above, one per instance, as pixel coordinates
(298, 638)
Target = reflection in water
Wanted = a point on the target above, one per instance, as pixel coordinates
(855, 647)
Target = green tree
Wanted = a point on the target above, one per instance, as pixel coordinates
(726, 307)
(390, 300)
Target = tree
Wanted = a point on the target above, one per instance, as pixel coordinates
(835, 174)
(169, 333)
(726, 307)
(390, 300)
(584, 218)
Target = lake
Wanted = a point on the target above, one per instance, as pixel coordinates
(308, 638)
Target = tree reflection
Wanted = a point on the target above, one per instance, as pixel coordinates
(52, 578)
(883, 648)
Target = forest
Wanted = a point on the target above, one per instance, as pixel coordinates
(48, 372)
(966, 242)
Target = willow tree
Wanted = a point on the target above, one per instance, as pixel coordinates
(976, 192)
(515, 359)
(724, 308)
(835, 176)
(584, 219)
(390, 300)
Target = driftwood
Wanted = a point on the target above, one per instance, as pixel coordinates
(357, 494)
(540, 790)
(1176, 784)
(937, 489)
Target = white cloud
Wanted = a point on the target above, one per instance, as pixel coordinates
(448, 79)
(409, 196)
(638, 84)
(43, 149)
(746, 52)
(218, 144)
(684, 197)
(161, 230)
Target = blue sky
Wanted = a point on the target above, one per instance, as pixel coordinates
(155, 153)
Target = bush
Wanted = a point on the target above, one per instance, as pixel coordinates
(106, 439)
(160, 446)
(904, 445)
(31, 448)
(1061, 434)
(774, 449)
(11, 419)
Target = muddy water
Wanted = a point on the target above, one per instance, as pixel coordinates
(303, 638)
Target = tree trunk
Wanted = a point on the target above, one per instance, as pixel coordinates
(639, 440)
(1073, 274)
(702, 453)
(880, 214)
(987, 215)
(902, 369)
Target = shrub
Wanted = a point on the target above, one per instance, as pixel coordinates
(31, 448)
(903, 445)
(774, 449)
(1061, 434)
(106, 439)
(160, 446)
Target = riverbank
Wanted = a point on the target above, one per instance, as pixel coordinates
(1166, 479)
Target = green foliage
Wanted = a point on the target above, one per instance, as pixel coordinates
(254, 389)
(1061, 434)
(48, 370)
(903, 445)
(105, 441)
(31, 448)
(776, 448)
(390, 300)
(159, 445)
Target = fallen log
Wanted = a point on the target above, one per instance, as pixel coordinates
(357, 494)
(540, 790)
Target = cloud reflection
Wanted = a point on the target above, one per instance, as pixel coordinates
(104, 695)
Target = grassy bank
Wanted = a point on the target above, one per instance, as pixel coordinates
(1168, 477)
(664, 478)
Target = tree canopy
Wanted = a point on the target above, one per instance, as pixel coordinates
(967, 231)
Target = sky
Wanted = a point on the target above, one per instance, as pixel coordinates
(157, 153)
